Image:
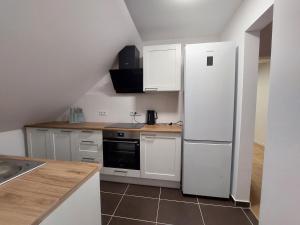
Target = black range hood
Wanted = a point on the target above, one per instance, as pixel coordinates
(129, 77)
(127, 80)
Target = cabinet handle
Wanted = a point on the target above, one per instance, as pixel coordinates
(115, 141)
(87, 131)
(88, 142)
(120, 171)
(42, 129)
(87, 159)
(66, 131)
(151, 89)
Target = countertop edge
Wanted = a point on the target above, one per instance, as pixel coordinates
(99, 126)
(94, 169)
(65, 197)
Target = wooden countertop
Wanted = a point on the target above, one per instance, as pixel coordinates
(28, 199)
(102, 126)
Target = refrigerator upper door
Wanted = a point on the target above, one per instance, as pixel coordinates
(209, 89)
(206, 169)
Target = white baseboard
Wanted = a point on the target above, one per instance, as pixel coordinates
(141, 181)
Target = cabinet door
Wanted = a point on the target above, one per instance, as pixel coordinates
(162, 67)
(161, 156)
(39, 143)
(62, 142)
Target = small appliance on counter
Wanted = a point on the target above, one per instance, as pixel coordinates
(76, 115)
(151, 117)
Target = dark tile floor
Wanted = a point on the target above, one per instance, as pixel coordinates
(128, 204)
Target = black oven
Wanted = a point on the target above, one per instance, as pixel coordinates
(121, 149)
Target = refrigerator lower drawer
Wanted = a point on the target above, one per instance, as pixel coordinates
(206, 169)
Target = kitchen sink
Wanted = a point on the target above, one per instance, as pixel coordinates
(12, 168)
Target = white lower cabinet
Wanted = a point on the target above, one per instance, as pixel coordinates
(65, 144)
(88, 146)
(81, 208)
(62, 144)
(39, 143)
(160, 153)
(161, 156)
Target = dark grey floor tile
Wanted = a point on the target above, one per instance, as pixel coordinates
(123, 221)
(138, 208)
(176, 194)
(218, 215)
(251, 216)
(179, 213)
(105, 219)
(141, 190)
(216, 201)
(109, 202)
(113, 187)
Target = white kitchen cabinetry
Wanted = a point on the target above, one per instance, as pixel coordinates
(62, 144)
(88, 146)
(39, 143)
(65, 144)
(162, 67)
(161, 156)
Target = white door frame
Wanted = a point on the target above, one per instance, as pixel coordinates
(246, 108)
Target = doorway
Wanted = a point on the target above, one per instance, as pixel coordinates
(262, 101)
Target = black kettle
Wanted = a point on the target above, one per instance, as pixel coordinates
(151, 117)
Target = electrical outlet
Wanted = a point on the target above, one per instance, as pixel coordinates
(134, 114)
(102, 113)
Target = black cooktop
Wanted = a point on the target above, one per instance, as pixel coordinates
(126, 125)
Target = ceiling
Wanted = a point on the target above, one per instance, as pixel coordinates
(177, 19)
(52, 52)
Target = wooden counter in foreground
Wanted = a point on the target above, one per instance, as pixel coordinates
(28, 199)
(101, 126)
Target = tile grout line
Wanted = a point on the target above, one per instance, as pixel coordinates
(247, 216)
(199, 206)
(118, 205)
(157, 211)
(225, 206)
(171, 200)
(123, 217)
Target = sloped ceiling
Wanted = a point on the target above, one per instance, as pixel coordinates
(53, 51)
(177, 19)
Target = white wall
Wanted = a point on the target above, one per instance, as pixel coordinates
(244, 18)
(102, 97)
(262, 102)
(12, 143)
(53, 51)
(281, 178)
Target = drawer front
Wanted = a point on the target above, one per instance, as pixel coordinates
(90, 135)
(90, 157)
(90, 151)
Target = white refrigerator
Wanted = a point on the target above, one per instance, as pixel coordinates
(209, 97)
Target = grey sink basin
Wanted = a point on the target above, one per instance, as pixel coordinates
(12, 168)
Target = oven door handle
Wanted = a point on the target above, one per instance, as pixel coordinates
(115, 141)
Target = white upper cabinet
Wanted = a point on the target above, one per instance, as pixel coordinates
(162, 67)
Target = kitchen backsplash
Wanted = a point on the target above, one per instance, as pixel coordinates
(102, 104)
